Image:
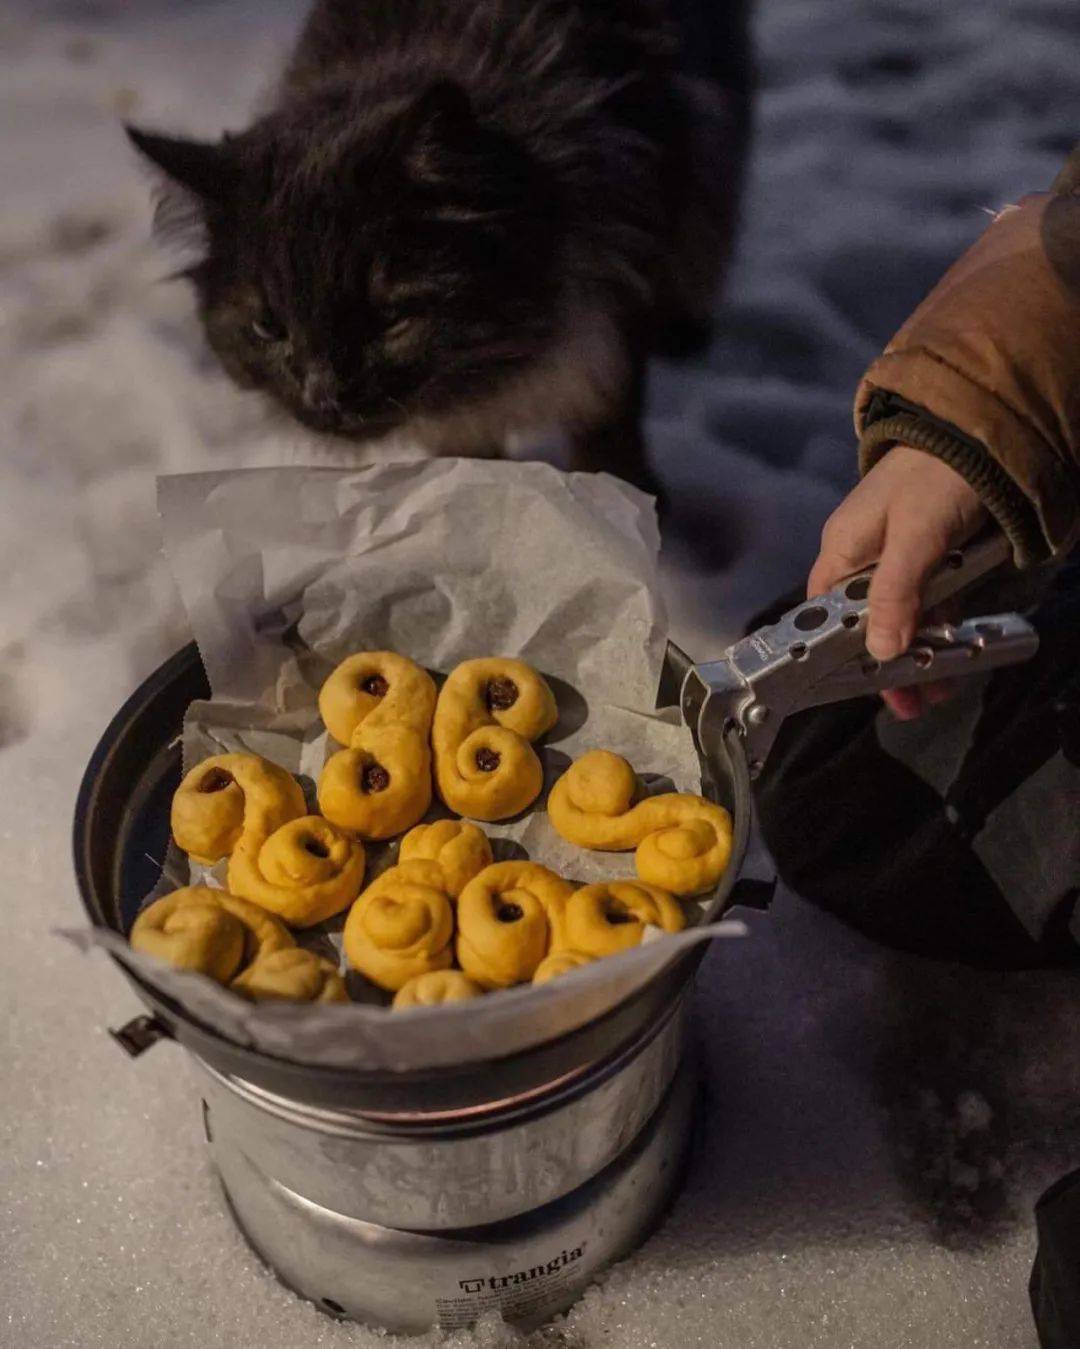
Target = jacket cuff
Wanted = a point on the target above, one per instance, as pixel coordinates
(999, 494)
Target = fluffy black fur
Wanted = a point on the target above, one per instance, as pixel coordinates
(472, 217)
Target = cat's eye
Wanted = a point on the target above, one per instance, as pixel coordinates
(267, 329)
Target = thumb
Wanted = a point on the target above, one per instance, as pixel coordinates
(895, 600)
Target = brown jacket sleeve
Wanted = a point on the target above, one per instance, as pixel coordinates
(985, 374)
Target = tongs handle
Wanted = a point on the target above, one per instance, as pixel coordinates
(816, 654)
(961, 568)
(940, 652)
(946, 651)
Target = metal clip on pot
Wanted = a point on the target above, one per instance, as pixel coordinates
(817, 654)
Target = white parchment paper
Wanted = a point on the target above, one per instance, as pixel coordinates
(286, 571)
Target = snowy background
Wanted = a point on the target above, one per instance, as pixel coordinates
(847, 1194)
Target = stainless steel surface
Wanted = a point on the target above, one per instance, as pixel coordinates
(529, 1268)
(457, 1169)
(816, 654)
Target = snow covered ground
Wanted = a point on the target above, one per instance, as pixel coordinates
(842, 1198)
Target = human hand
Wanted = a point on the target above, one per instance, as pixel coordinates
(907, 513)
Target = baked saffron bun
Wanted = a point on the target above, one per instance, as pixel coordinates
(401, 926)
(293, 975)
(509, 918)
(682, 841)
(604, 919)
(460, 848)
(488, 713)
(301, 867)
(379, 705)
(208, 930)
(435, 988)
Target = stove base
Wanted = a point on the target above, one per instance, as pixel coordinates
(529, 1268)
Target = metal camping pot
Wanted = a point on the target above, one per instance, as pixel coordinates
(428, 1198)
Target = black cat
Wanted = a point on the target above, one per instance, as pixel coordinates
(472, 218)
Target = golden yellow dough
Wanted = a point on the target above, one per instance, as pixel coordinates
(683, 841)
(560, 962)
(377, 687)
(226, 794)
(299, 866)
(305, 872)
(487, 713)
(379, 705)
(460, 848)
(212, 931)
(292, 975)
(435, 988)
(603, 919)
(401, 926)
(509, 918)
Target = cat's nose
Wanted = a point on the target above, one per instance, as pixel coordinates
(318, 391)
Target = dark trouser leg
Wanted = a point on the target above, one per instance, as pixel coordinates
(860, 834)
(957, 838)
(1055, 1279)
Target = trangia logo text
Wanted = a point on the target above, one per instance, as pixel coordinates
(524, 1275)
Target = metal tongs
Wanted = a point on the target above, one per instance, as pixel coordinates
(817, 654)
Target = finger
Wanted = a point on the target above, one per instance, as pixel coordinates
(908, 703)
(940, 691)
(851, 540)
(947, 612)
(904, 704)
(909, 556)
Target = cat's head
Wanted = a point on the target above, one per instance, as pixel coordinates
(366, 263)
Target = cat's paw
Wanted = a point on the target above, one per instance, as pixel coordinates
(952, 1155)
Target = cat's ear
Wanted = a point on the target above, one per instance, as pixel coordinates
(436, 135)
(202, 168)
(483, 171)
